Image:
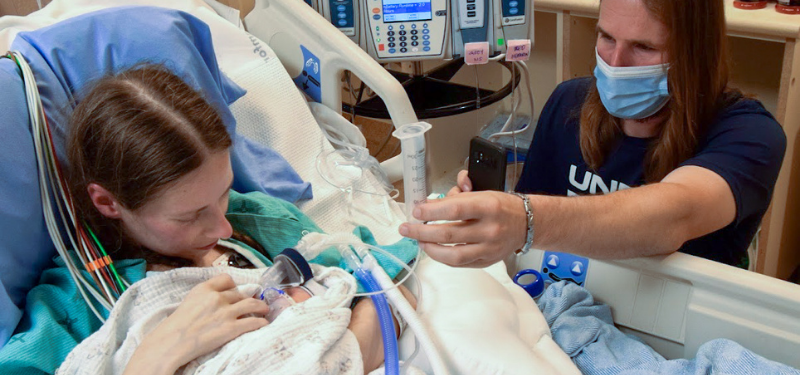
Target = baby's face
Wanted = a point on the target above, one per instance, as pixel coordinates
(298, 294)
(188, 217)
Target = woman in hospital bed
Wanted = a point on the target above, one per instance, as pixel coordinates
(150, 171)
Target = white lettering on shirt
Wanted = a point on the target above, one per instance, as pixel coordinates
(591, 184)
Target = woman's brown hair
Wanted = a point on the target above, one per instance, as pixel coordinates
(134, 134)
(698, 86)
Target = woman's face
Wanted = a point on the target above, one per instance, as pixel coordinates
(627, 35)
(188, 217)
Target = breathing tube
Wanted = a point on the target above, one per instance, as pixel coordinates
(391, 357)
(359, 254)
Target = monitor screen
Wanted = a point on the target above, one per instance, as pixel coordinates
(406, 10)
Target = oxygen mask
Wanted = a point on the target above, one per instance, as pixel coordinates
(289, 270)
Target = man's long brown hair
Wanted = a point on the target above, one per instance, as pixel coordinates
(698, 85)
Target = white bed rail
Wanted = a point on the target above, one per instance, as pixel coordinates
(286, 25)
(678, 302)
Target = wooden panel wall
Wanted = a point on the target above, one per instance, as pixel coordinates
(19, 7)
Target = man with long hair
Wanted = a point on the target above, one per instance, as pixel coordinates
(654, 154)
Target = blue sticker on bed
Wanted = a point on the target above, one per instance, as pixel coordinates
(310, 79)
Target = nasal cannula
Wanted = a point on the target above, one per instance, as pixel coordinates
(412, 143)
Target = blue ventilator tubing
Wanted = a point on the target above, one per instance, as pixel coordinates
(390, 355)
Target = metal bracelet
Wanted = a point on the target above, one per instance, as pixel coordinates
(529, 214)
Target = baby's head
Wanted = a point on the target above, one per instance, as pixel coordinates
(150, 166)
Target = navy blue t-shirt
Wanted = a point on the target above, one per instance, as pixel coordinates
(744, 145)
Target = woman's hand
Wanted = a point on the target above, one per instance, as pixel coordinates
(486, 226)
(211, 315)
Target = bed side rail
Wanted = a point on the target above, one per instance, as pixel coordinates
(310, 47)
(678, 302)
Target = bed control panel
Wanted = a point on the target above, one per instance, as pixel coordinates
(406, 29)
(563, 266)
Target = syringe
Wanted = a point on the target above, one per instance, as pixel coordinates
(412, 143)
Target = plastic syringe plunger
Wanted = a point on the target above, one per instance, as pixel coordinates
(413, 150)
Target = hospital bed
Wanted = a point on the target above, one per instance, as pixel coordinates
(675, 303)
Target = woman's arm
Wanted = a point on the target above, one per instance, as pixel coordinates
(212, 314)
(365, 326)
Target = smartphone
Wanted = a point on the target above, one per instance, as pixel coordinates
(487, 165)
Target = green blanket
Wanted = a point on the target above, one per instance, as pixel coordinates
(56, 318)
(277, 224)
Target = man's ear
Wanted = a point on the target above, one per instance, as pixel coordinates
(104, 201)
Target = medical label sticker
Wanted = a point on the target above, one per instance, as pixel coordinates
(518, 50)
(309, 78)
(476, 53)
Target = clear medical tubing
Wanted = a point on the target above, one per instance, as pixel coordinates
(412, 144)
(313, 243)
(391, 358)
(409, 313)
(397, 298)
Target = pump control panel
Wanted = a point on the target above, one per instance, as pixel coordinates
(344, 14)
(513, 12)
(471, 14)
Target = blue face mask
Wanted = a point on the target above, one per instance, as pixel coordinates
(632, 92)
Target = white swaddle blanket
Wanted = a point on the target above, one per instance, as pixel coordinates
(307, 338)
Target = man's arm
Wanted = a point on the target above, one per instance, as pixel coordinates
(649, 220)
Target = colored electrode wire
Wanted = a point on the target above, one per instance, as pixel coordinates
(108, 285)
(90, 265)
(111, 264)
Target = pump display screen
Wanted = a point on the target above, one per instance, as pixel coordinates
(406, 10)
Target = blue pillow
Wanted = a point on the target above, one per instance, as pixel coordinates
(68, 57)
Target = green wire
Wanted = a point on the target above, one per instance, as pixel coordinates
(102, 250)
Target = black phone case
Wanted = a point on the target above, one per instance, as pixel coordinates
(487, 165)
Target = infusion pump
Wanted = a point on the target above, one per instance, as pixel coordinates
(402, 30)
(408, 30)
(405, 29)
